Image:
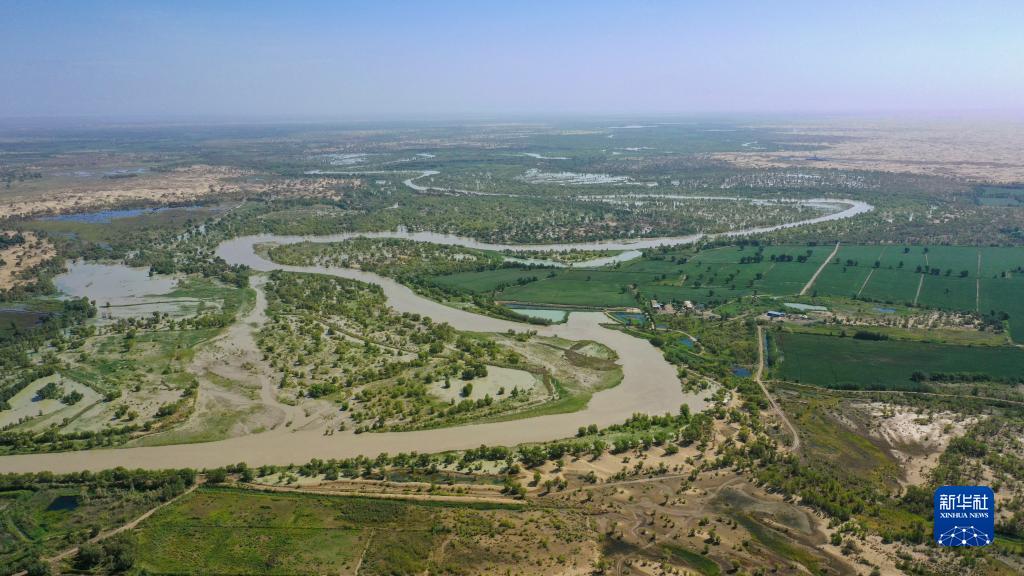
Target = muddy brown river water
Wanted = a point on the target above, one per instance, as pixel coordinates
(649, 385)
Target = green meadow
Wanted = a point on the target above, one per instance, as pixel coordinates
(230, 531)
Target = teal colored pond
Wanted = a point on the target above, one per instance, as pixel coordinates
(686, 342)
(542, 313)
(630, 317)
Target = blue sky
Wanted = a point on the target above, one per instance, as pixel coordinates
(437, 58)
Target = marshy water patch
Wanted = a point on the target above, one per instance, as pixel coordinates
(108, 216)
(551, 314)
(806, 307)
(116, 284)
(20, 317)
(344, 159)
(543, 157)
(534, 176)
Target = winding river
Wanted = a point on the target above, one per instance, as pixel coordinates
(650, 384)
(835, 208)
(239, 250)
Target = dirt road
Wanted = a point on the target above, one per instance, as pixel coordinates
(795, 446)
(817, 272)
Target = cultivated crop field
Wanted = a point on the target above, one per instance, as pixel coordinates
(576, 288)
(487, 281)
(836, 362)
(986, 280)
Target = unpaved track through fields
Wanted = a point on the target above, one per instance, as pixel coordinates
(758, 377)
(53, 560)
(817, 272)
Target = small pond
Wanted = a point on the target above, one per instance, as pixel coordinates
(630, 317)
(62, 503)
(542, 313)
(741, 371)
(108, 216)
(806, 307)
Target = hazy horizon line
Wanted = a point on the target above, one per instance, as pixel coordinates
(106, 120)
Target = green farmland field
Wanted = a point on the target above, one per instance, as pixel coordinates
(895, 286)
(1007, 295)
(836, 362)
(575, 288)
(846, 277)
(964, 278)
(487, 280)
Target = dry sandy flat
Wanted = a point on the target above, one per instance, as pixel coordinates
(917, 440)
(237, 393)
(16, 259)
(25, 405)
(61, 195)
(992, 152)
(179, 185)
(497, 378)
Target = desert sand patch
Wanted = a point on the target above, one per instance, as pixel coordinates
(917, 439)
(16, 259)
(992, 152)
(56, 194)
(26, 406)
(498, 379)
(178, 185)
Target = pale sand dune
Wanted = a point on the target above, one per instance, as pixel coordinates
(984, 152)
